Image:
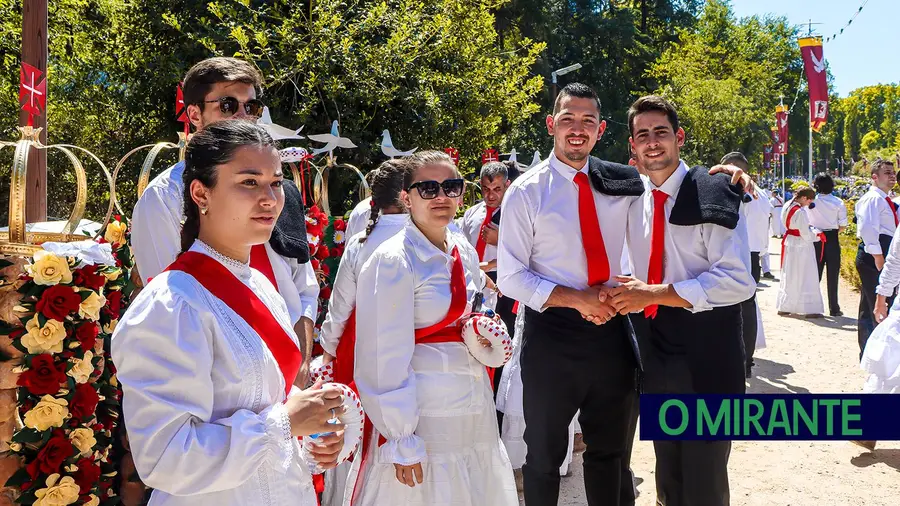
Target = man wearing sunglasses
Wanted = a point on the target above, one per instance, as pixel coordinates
(217, 89)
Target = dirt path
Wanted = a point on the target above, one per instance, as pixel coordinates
(801, 356)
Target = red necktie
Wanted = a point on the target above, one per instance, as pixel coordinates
(657, 246)
(591, 236)
(481, 244)
(893, 210)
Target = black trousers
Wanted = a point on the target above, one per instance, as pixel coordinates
(868, 276)
(707, 359)
(748, 316)
(831, 258)
(569, 364)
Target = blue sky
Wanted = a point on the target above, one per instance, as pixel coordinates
(866, 52)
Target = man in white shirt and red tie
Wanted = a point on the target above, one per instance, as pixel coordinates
(691, 262)
(561, 238)
(829, 214)
(876, 221)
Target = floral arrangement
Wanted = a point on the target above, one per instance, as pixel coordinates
(68, 397)
(325, 235)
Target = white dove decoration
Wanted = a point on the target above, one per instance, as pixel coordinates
(331, 141)
(536, 160)
(818, 65)
(512, 155)
(277, 132)
(387, 147)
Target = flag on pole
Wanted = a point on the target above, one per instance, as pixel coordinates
(767, 157)
(32, 91)
(780, 134)
(814, 63)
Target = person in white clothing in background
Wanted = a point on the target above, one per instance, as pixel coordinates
(798, 291)
(217, 89)
(829, 214)
(209, 403)
(359, 216)
(435, 438)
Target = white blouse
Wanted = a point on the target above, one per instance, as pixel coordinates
(799, 222)
(203, 396)
(343, 293)
(398, 380)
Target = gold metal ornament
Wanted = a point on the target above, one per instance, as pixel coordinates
(320, 183)
(19, 241)
(150, 159)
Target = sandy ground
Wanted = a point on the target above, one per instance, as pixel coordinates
(801, 356)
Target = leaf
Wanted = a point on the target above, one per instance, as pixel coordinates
(18, 478)
(27, 435)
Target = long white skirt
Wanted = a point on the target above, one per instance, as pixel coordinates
(509, 402)
(881, 358)
(466, 464)
(776, 226)
(799, 291)
(760, 332)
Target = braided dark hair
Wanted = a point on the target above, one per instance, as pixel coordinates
(208, 148)
(388, 180)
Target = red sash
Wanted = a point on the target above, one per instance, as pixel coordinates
(345, 354)
(216, 278)
(259, 260)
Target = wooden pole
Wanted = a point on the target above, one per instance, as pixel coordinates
(34, 52)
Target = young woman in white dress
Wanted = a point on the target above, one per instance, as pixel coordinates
(435, 438)
(799, 291)
(881, 356)
(338, 337)
(207, 355)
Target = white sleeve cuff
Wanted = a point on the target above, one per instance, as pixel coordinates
(873, 249)
(406, 451)
(885, 291)
(281, 442)
(541, 294)
(309, 308)
(692, 291)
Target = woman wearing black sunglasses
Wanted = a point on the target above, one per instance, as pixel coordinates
(435, 438)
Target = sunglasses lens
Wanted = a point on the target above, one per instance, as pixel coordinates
(429, 189)
(228, 105)
(254, 108)
(453, 187)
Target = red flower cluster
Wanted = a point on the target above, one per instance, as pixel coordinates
(84, 402)
(44, 377)
(58, 301)
(87, 333)
(114, 304)
(88, 277)
(52, 455)
(340, 224)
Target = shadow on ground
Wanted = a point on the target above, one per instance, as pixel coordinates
(889, 457)
(770, 378)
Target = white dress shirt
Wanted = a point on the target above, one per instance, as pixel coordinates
(874, 217)
(470, 226)
(707, 265)
(156, 241)
(830, 213)
(203, 396)
(540, 234)
(756, 215)
(404, 286)
(889, 278)
(359, 217)
(343, 293)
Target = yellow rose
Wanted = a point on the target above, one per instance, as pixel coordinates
(113, 274)
(59, 492)
(46, 339)
(84, 440)
(49, 412)
(115, 232)
(92, 501)
(91, 306)
(82, 369)
(49, 269)
(110, 327)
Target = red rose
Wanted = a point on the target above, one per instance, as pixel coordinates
(87, 475)
(337, 251)
(114, 303)
(58, 301)
(322, 252)
(87, 335)
(315, 264)
(44, 376)
(88, 277)
(325, 293)
(340, 224)
(51, 456)
(84, 402)
(325, 269)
